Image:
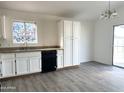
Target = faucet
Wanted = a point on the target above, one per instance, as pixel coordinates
(24, 46)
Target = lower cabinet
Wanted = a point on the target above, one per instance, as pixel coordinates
(12, 64)
(35, 64)
(60, 62)
(8, 67)
(7, 64)
(28, 62)
(22, 65)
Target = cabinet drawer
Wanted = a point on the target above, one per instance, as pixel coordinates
(29, 54)
(59, 52)
(18, 55)
(35, 54)
(7, 56)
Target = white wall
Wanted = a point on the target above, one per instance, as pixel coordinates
(103, 38)
(47, 27)
(86, 41)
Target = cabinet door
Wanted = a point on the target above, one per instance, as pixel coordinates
(68, 29)
(76, 37)
(8, 67)
(75, 52)
(35, 64)
(76, 30)
(22, 65)
(60, 59)
(60, 33)
(67, 43)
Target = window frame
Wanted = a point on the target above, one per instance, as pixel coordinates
(25, 41)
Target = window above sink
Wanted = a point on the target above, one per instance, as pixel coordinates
(24, 32)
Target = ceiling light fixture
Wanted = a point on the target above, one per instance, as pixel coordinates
(108, 14)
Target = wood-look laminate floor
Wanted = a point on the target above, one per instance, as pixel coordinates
(90, 76)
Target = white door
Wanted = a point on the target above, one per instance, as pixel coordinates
(22, 65)
(67, 43)
(35, 64)
(76, 38)
(60, 59)
(8, 67)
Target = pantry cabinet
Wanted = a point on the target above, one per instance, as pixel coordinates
(70, 41)
(76, 42)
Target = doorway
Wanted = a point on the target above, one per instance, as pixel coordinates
(118, 46)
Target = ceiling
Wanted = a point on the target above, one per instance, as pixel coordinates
(84, 10)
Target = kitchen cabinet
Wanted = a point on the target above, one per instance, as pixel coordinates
(35, 64)
(71, 40)
(60, 63)
(14, 64)
(67, 43)
(22, 66)
(28, 62)
(76, 45)
(22, 63)
(7, 65)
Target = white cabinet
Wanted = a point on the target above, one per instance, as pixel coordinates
(76, 45)
(22, 66)
(67, 43)
(7, 65)
(28, 62)
(35, 62)
(71, 34)
(22, 63)
(60, 63)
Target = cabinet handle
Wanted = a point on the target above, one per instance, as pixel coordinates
(15, 67)
(61, 61)
(0, 68)
(39, 63)
(55, 67)
(12, 67)
(28, 65)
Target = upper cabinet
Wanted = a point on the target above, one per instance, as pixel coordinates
(68, 29)
(76, 30)
(71, 40)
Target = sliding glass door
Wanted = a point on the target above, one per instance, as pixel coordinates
(118, 47)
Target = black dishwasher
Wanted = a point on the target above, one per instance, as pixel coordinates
(49, 60)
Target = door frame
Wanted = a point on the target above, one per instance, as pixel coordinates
(113, 46)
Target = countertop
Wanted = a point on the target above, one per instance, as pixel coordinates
(28, 49)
